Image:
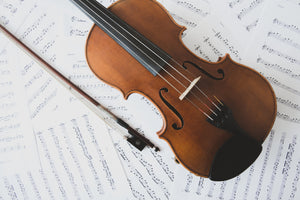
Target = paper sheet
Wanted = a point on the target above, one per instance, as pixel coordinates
(75, 156)
(274, 175)
(275, 53)
(16, 139)
(150, 174)
(188, 13)
(240, 17)
(73, 152)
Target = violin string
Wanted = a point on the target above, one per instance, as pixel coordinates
(176, 62)
(167, 80)
(197, 86)
(166, 62)
(152, 60)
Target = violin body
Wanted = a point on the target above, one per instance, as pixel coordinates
(199, 145)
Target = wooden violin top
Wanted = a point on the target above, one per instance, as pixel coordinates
(216, 115)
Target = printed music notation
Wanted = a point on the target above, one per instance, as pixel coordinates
(277, 162)
(213, 43)
(151, 175)
(76, 156)
(277, 57)
(16, 138)
(57, 148)
(276, 172)
(44, 95)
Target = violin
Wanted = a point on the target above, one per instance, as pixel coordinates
(216, 115)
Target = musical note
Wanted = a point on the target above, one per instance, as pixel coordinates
(288, 71)
(244, 11)
(239, 17)
(189, 13)
(183, 21)
(252, 26)
(213, 42)
(234, 3)
(192, 7)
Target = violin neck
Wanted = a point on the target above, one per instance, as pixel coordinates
(143, 50)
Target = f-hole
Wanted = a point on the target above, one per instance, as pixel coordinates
(220, 71)
(175, 126)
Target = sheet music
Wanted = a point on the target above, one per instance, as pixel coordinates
(275, 53)
(206, 35)
(150, 174)
(213, 42)
(74, 153)
(16, 138)
(189, 13)
(70, 149)
(274, 175)
(240, 17)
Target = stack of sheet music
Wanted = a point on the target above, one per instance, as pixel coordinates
(53, 147)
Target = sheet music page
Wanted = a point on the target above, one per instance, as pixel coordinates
(275, 53)
(150, 174)
(75, 156)
(275, 174)
(189, 13)
(213, 42)
(17, 142)
(206, 35)
(240, 17)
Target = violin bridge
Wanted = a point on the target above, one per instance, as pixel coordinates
(188, 89)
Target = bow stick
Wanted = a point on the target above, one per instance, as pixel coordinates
(135, 138)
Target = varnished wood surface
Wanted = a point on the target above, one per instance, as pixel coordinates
(243, 90)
